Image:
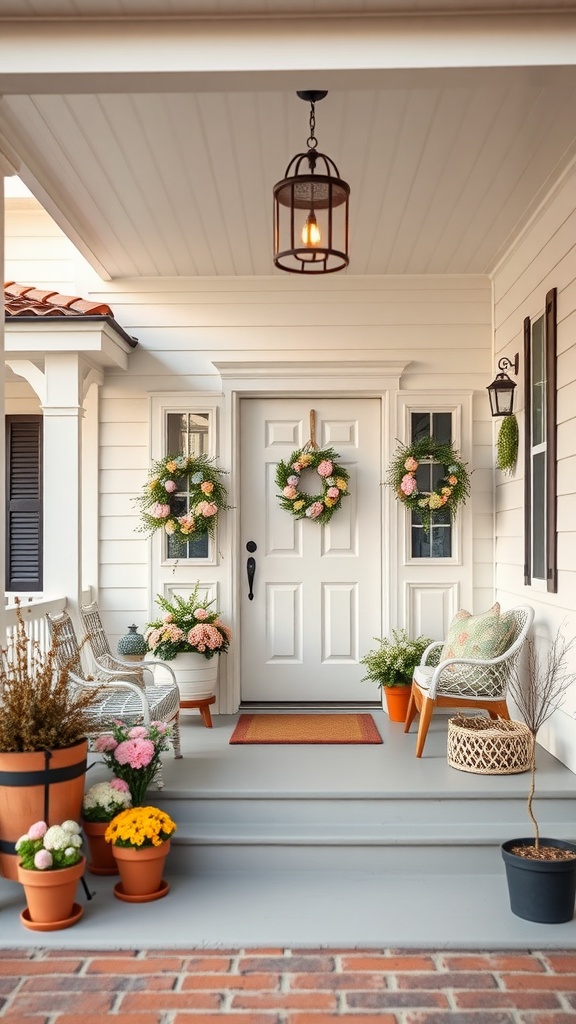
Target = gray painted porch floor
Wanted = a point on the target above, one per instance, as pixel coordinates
(284, 903)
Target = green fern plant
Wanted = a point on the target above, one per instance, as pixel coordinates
(507, 445)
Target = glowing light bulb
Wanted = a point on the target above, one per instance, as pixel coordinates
(311, 232)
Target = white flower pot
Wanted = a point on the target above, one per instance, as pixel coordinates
(196, 675)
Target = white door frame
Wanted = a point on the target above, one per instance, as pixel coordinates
(332, 378)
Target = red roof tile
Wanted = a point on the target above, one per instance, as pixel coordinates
(24, 300)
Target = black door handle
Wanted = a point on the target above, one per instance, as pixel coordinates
(251, 570)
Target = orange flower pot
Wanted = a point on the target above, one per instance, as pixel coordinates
(38, 786)
(141, 872)
(50, 895)
(101, 860)
(397, 699)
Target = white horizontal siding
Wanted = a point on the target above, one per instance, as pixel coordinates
(544, 258)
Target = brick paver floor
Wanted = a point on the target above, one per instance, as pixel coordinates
(283, 986)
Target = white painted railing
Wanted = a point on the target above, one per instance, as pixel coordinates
(34, 611)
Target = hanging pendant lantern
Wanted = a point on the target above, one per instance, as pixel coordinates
(311, 209)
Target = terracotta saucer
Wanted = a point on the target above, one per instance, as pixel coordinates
(52, 926)
(161, 891)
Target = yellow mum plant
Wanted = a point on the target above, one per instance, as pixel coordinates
(140, 826)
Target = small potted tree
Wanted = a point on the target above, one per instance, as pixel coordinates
(541, 872)
(391, 666)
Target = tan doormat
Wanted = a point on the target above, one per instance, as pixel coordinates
(351, 728)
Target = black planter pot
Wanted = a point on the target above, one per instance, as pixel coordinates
(541, 890)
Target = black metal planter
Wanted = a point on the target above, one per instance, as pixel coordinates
(541, 890)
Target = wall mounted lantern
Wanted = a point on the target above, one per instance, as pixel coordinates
(501, 390)
(311, 209)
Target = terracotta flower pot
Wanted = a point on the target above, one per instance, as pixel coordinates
(397, 698)
(101, 860)
(38, 786)
(50, 896)
(141, 872)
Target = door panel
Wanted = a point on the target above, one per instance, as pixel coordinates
(317, 589)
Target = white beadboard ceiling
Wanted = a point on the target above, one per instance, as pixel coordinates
(445, 168)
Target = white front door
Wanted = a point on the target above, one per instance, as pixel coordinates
(316, 603)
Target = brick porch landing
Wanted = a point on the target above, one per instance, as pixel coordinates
(280, 986)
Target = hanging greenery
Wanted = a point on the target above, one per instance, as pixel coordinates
(507, 445)
(200, 478)
(452, 489)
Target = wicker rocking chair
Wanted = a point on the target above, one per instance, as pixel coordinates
(465, 682)
(124, 695)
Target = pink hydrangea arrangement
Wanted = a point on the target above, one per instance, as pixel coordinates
(132, 752)
(188, 624)
(47, 848)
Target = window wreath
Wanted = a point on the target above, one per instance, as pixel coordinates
(318, 507)
(200, 478)
(451, 490)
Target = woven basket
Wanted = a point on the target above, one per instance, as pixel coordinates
(488, 746)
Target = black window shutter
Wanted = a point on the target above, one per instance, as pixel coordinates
(551, 445)
(24, 503)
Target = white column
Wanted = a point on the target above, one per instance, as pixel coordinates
(63, 413)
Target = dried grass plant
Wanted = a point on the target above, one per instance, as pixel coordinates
(39, 709)
(538, 692)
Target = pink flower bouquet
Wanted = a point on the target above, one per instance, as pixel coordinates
(133, 754)
(188, 624)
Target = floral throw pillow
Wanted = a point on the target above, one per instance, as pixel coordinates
(478, 636)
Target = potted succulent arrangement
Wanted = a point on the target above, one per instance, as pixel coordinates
(189, 634)
(391, 666)
(132, 752)
(50, 866)
(102, 802)
(43, 728)
(140, 839)
(541, 872)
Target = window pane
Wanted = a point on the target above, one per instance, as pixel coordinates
(539, 515)
(538, 375)
(420, 425)
(442, 426)
(187, 433)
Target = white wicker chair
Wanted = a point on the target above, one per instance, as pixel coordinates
(465, 682)
(102, 656)
(124, 695)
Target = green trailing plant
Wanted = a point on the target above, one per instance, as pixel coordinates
(507, 444)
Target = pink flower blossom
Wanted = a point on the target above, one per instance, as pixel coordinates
(187, 524)
(43, 860)
(333, 492)
(201, 614)
(137, 732)
(204, 636)
(206, 487)
(159, 511)
(411, 465)
(171, 486)
(293, 480)
(315, 509)
(105, 743)
(207, 509)
(37, 830)
(326, 468)
(408, 484)
(168, 617)
(160, 726)
(224, 629)
(137, 753)
(297, 466)
(119, 785)
(290, 492)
